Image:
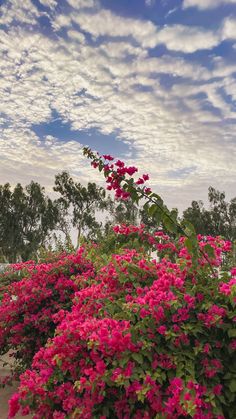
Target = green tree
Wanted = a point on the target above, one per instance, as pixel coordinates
(123, 212)
(80, 203)
(219, 219)
(5, 199)
(27, 216)
(199, 217)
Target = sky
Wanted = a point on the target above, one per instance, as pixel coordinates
(152, 82)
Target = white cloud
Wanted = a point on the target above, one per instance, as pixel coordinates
(229, 29)
(76, 36)
(106, 23)
(81, 4)
(61, 21)
(27, 157)
(171, 11)
(171, 65)
(187, 39)
(206, 4)
(222, 68)
(49, 3)
(19, 11)
(115, 86)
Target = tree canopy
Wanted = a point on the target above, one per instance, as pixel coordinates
(27, 216)
(81, 202)
(30, 220)
(218, 220)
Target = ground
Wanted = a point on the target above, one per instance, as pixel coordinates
(6, 393)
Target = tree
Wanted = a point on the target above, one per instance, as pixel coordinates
(27, 216)
(123, 212)
(80, 203)
(219, 219)
(199, 217)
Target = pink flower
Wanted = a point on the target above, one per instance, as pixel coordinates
(108, 157)
(14, 405)
(131, 170)
(101, 367)
(162, 330)
(217, 389)
(233, 344)
(140, 181)
(187, 396)
(119, 163)
(176, 385)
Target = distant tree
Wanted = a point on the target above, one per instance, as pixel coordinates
(223, 214)
(199, 217)
(80, 203)
(219, 219)
(27, 216)
(123, 212)
(5, 204)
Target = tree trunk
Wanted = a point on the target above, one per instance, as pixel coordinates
(78, 237)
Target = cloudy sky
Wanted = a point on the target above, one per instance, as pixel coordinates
(149, 81)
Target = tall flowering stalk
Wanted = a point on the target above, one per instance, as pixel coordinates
(119, 178)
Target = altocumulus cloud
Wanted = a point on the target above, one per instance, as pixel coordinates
(207, 4)
(162, 89)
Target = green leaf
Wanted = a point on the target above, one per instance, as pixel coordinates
(189, 227)
(232, 385)
(169, 224)
(158, 199)
(209, 250)
(228, 376)
(232, 333)
(189, 244)
(138, 357)
(152, 210)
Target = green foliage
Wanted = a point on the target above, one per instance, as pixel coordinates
(27, 216)
(80, 203)
(123, 212)
(219, 219)
(176, 349)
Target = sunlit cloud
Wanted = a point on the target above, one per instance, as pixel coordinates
(207, 4)
(97, 70)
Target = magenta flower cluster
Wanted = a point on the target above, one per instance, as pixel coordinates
(143, 338)
(28, 305)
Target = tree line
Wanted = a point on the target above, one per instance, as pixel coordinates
(30, 220)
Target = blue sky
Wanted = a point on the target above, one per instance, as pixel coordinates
(152, 82)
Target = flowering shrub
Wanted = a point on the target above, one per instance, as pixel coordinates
(28, 305)
(17, 271)
(144, 338)
(14, 273)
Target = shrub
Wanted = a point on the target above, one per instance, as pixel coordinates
(28, 305)
(147, 339)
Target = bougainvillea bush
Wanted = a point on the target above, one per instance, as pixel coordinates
(28, 304)
(145, 338)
